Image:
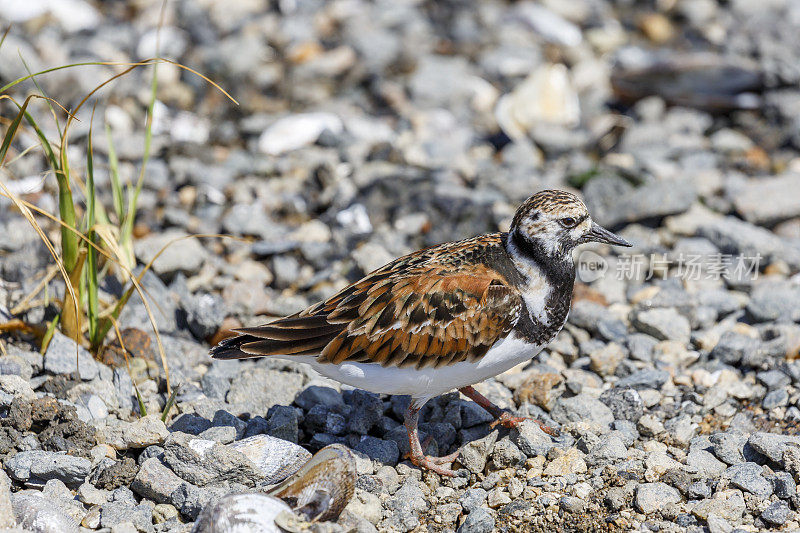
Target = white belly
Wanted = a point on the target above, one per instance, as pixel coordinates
(426, 383)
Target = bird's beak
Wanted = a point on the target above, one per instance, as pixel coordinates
(598, 233)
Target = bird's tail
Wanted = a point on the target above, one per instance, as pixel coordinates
(294, 335)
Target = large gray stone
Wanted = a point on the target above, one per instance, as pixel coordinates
(749, 477)
(773, 445)
(40, 466)
(204, 462)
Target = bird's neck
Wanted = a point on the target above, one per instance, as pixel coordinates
(545, 284)
(535, 258)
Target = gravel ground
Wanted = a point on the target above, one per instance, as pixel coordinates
(366, 130)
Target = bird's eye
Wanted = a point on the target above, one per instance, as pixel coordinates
(568, 222)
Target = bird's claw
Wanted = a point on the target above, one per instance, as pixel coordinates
(510, 421)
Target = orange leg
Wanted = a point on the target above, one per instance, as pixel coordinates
(504, 418)
(417, 456)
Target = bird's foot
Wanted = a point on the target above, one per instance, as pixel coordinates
(434, 463)
(422, 460)
(510, 421)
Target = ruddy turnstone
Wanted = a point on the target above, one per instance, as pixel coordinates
(442, 318)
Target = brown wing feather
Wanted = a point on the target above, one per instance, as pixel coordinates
(456, 317)
(428, 309)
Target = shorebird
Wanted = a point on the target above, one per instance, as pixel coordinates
(442, 318)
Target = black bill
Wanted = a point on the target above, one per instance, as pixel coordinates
(600, 234)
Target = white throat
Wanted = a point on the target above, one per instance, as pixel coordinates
(537, 287)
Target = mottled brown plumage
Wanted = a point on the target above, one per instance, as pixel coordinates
(431, 308)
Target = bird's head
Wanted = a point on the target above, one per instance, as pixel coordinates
(552, 223)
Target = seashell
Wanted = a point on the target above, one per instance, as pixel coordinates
(276, 458)
(241, 513)
(39, 515)
(319, 490)
(322, 488)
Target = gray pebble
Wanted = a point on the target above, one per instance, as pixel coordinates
(478, 521)
(383, 451)
(776, 514)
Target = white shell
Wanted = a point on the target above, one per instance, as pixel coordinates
(241, 513)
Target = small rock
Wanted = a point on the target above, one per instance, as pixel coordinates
(383, 451)
(477, 521)
(182, 253)
(296, 131)
(644, 379)
(475, 453)
(203, 462)
(473, 499)
(784, 486)
(610, 449)
(776, 514)
(6, 511)
(39, 465)
(583, 408)
(727, 504)
(606, 360)
(60, 358)
(748, 477)
(729, 447)
(277, 459)
(315, 394)
(664, 324)
(367, 411)
(765, 201)
(366, 505)
(705, 463)
(155, 481)
(38, 514)
(506, 454)
(531, 440)
(140, 433)
(773, 445)
(733, 348)
(571, 462)
(498, 497)
(625, 404)
(571, 504)
(651, 497)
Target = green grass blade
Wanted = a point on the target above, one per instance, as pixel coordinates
(48, 149)
(5, 34)
(92, 308)
(48, 335)
(142, 408)
(133, 200)
(11, 132)
(113, 170)
(170, 403)
(66, 211)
